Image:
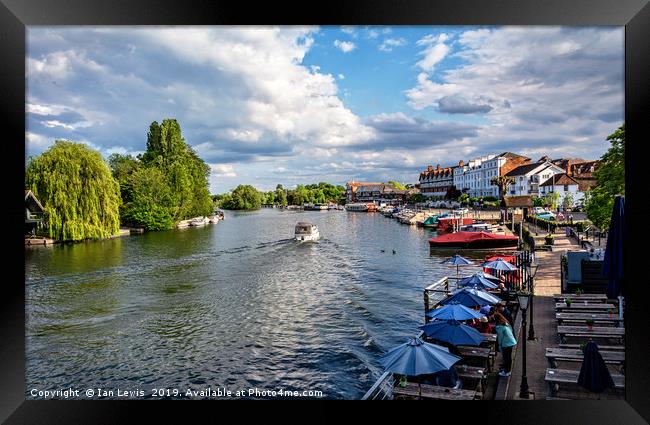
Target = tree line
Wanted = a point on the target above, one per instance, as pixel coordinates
(247, 197)
(84, 197)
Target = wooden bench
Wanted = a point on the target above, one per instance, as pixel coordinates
(594, 298)
(556, 377)
(554, 354)
(580, 306)
(595, 332)
(600, 347)
(432, 392)
(472, 374)
(601, 318)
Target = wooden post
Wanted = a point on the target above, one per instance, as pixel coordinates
(426, 306)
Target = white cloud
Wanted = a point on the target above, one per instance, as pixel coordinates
(341, 77)
(389, 43)
(223, 170)
(350, 30)
(435, 51)
(344, 46)
(372, 33)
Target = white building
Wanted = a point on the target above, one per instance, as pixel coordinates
(474, 178)
(562, 184)
(527, 178)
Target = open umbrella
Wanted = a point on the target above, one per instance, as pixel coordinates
(594, 374)
(477, 281)
(470, 297)
(454, 311)
(457, 261)
(452, 332)
(499, 264)
(613, 262)
(417, 357)
(488, 276)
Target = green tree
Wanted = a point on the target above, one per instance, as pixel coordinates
(610, 181)
(152, 200)
(280, 195)
(567, 201)
(463, 198)
(397, 185)
(244, 197)
(186, 173)
(81, 199)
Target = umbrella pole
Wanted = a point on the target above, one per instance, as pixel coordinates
(620, 306)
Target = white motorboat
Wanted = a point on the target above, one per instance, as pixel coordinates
(306, 232)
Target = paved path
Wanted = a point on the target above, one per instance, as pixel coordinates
(547, 283)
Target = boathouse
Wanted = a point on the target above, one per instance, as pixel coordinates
(33, 213)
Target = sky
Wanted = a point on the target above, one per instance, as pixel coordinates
(300, 105)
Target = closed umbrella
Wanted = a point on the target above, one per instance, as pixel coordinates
(613, 262)
(454, 311)
(452, 332)
(470, 297)
(457, 261)
(477, 281)
(594, 374)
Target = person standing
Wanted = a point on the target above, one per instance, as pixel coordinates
(505, 342)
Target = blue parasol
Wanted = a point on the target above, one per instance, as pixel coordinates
(454, 311)
(477, 281)
(417, 357)
(452, 332)
(470, 297)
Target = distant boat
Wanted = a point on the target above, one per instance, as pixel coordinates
(474, 240)
(199, 221)
(357, 207)
(306, 231)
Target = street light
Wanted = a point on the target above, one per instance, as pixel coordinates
(523, 298)
(532, 271)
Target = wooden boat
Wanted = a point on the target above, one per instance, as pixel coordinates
(473, 240)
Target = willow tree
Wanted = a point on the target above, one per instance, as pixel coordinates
(81, 199)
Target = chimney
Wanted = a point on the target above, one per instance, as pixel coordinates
(461, 163)
(430, 168)
(438, 167)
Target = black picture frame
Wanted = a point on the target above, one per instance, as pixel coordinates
(16, 14)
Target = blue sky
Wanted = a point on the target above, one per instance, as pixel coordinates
(291, 105)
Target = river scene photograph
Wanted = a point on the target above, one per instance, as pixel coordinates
(334, 212)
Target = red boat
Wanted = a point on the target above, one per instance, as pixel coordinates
(446, 224)
(474, 240)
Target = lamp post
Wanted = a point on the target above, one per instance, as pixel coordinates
(532, 271)
(523, 305)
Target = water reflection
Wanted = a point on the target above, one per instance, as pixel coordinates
(234, 304)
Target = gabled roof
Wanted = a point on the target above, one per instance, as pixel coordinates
(560, 179)
(31, 198)
(358, 184)
(527, 168)
(511, 155)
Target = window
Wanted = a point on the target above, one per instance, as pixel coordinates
(566, 187)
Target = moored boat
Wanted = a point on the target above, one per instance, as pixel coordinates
(474, 240)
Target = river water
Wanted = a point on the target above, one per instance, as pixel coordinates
(236, 305)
